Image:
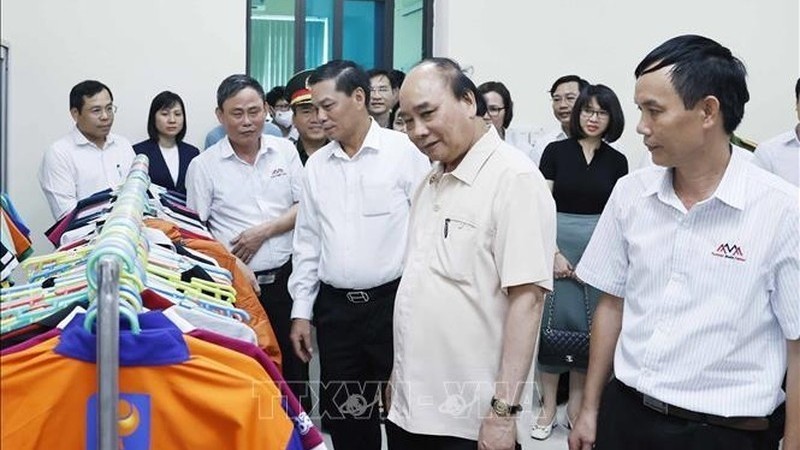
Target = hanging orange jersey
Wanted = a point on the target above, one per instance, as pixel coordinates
(176, 392)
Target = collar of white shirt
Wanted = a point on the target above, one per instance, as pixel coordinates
(79, 139)
(372, 141)
(730, 191)
(791, 136)
(226, 149)
(467, 170)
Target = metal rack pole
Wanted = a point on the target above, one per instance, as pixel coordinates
(108, 354)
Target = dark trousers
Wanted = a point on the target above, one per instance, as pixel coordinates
(624, 422)
(400, 439)
(356, 356)
(278, 304)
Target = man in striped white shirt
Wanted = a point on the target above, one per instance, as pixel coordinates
(699, 260)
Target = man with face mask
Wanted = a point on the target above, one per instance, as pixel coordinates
(281, 112)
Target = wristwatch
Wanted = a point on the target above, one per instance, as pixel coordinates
(503, 409)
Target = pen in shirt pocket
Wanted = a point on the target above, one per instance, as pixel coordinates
(446, 227)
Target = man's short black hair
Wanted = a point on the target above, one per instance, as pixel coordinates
(165, 100)
(502, 91)
(608, 102)
(349, 76)
(233, 84)
(702, 67)
(275, 94)
(569, 79)
(460, 83)
(797, 90)
(87, 88)
(397, 77)
(372, 73)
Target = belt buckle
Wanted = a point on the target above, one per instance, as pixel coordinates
(655, 404)
(267, 278)
(358, 297)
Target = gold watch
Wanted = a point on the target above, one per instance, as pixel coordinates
(503, 409)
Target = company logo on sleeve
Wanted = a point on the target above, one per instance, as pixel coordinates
(133, 422)
(729, 251)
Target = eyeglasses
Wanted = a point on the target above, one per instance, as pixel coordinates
(97, 111)
(589, 112)
(569, 98)
(494, 111)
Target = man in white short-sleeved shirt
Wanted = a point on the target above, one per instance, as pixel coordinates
(699, 262)
(246, 186)
(563, 93)
(480, 257)
(781, 154)
(89, 159)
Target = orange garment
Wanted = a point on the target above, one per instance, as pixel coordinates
(216, 399)
(246, 297)
(22, 245)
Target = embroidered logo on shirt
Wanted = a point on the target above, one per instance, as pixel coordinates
(729, 251)
(133, 422)
(278, 173)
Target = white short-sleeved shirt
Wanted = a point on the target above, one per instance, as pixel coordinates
(233, 195)
(486, 226)
(781, 156)
(711, 294)
(353, 216)
(74, 168)
(542, 141)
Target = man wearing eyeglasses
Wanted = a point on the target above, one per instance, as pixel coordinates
(383, 97)
(88, 159)
(563, 94)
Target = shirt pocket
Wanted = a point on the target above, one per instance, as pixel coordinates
(376, 198)
(455, 250)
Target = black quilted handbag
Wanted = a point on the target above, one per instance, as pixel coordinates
(563, 347)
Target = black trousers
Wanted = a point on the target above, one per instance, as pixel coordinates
(625, 423)
(400, 439)
(356, 356)
(278, 304)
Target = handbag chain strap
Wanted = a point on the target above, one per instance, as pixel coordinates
(550, 298)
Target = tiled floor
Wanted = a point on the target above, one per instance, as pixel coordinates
(557, 441)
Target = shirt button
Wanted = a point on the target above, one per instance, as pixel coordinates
(436, 208)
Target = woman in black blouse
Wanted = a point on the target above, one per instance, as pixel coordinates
(581, 172)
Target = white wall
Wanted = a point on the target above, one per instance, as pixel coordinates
(141, 47)
(528, 44)
(138, 48)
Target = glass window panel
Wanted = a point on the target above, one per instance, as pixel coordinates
(272, 41)
(408, 33)
(319, 33)
(363, 32)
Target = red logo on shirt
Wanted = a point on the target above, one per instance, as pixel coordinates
(730, 251)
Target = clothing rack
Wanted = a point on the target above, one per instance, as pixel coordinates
(119, 247)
